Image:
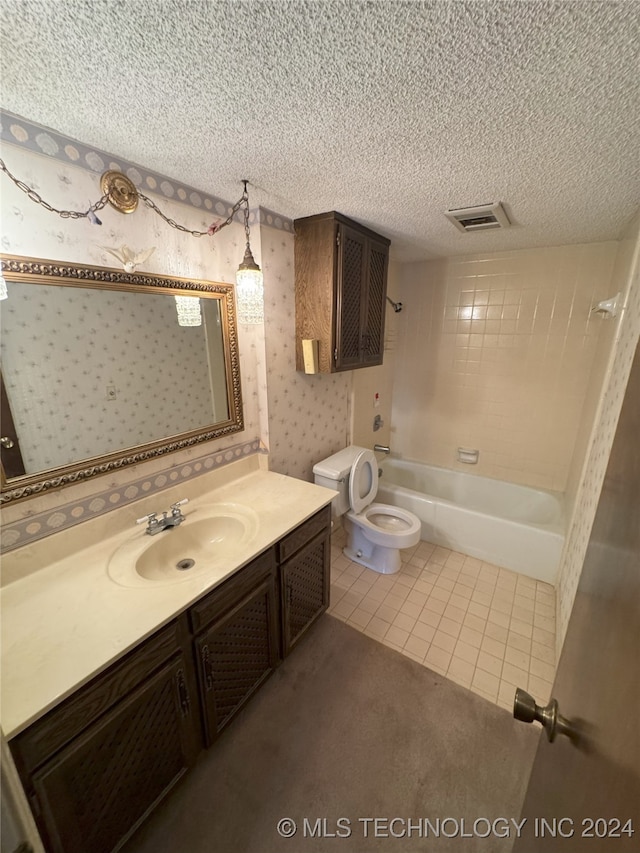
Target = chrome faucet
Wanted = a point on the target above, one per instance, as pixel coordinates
(157, 525)
(382, 448)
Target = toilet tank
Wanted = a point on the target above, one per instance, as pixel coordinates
(333, 473)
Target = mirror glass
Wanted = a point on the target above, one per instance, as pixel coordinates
(102, 368)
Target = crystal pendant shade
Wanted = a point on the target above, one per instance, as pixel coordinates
(249, 290)
(188, 308)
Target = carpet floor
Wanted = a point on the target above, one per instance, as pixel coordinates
(344, 732)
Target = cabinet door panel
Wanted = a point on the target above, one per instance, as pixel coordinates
(95, 792)
(237, 653)
(373, 350)
(351, 269)
(305, 589)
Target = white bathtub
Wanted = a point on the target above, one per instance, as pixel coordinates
(512, 526)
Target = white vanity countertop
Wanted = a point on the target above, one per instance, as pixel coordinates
(68, 621)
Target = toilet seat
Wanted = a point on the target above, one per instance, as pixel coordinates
(388, 526)
(363, 481)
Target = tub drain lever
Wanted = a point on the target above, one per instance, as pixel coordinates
(526, 710)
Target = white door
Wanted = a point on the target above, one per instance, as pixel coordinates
(584, 794)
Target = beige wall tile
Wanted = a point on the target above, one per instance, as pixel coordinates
(512, 378)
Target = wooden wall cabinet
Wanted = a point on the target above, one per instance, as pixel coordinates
(96, 765)
(341, 289)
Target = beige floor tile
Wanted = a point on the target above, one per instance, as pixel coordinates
(486, 682)
(517, 641)
(515, 675)
(486, 628)
(411, 609)
(493, 647)
(444, 641)
(359, 618)
(522, 628)
(423, 631)
(470, 636)
(397, 635)
(404, 621)
(466, 652)
(448, 626)
(387, 613)
(416, 597)
(461, 671)
(517, 658)
(428, 617)
(542, 670)
(417, 646)
(490, 663)
(496, 632)
(437, 657)
(476, 617)
(377, 627)
(435, 605)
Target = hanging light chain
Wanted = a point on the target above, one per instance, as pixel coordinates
(243, 201)
(65, 214)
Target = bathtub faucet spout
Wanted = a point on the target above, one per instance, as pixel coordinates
(382, 448)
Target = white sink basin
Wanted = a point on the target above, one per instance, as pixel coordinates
(206, 542)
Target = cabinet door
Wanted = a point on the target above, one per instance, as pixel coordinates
(373, 337)
(97, 790)
(236, 654)
(304, 589)
(351, 304)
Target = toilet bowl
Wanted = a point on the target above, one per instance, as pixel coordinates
(376, 532)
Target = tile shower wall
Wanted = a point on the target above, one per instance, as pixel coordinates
(625, 334)
(308, 415)
(495, 353)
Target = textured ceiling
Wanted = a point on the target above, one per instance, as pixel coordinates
(390, 112)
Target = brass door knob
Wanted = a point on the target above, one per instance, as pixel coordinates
(6, 442)
(526, 710)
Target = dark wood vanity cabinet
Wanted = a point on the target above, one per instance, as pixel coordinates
(95, 766)
(240, 646)
(341, 288)
(98, 763)
(304, 557)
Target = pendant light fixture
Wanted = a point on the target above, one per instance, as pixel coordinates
(119, 191)
(249, 279)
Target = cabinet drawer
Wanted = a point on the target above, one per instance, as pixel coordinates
(226, 596)
(303, 534)
(72, 716)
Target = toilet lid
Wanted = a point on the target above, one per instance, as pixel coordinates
(363, 481)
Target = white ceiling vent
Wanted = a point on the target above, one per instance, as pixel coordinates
(479, 218)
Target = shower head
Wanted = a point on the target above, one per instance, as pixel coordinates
(397, 306)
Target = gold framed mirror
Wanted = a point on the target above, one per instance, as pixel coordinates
(103, 369)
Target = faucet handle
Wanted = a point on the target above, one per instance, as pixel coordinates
(150, 518)
(176, 512)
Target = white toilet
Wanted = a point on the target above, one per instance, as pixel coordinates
(376, 532)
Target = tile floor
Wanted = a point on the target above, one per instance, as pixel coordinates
(484, 627)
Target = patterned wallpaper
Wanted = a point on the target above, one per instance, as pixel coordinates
(90, 371)
(308, 415)
(299, 419)
(28, 229)
(590, 486)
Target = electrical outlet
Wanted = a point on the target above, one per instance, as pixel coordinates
(111, 392)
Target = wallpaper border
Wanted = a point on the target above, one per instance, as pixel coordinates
(35, 527)
(16, 130)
